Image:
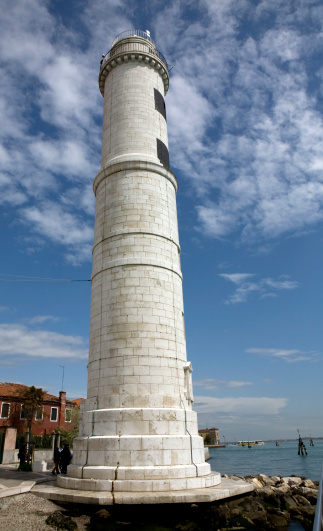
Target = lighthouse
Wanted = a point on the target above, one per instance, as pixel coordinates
(138, 433)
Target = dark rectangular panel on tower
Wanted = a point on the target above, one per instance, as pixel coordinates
(160, 103)
(162, 153)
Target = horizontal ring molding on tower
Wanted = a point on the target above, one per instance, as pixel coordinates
(134, 165)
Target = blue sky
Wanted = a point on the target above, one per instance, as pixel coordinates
(245, 129)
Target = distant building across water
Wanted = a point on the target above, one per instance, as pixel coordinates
(210, 436)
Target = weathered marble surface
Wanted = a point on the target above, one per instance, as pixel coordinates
(226, 489)
(138, 432)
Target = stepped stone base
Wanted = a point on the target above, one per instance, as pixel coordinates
(110, 459)
(227, 488)
(137, 472)
(141, 485)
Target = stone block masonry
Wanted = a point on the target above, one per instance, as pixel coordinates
(138, 433)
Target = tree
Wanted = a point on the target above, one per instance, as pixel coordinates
(75, 414)
(207, 439)
(67, 436)
(32, 400)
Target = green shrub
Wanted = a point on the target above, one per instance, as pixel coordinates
(42, 441)
(208, 439)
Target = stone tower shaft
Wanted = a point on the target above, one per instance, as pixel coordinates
(138, 431)
(137, 303)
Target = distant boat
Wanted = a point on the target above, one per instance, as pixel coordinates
(251, 443)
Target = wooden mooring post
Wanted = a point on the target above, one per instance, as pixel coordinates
(301, 446)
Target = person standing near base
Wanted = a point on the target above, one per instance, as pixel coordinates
(66, 456)
(57, 456)
(22, 454)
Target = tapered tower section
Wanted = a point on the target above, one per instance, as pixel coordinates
(138, 432)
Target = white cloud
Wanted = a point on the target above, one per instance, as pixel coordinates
(243, 125)
(66, 157)
(266, 287)
(9, 192)
(18, 340)
(237, 383)
(237, 278)
(27, 41)
(83, 197)
(39, 319)
(288, 355)
(187, 129)
(51, 109)
(215, 222)
(241, 406)
(63, 228)
(214, 384)
(68, 91)
(253, 135)
(280, 284)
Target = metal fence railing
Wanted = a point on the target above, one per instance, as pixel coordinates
(138, 33)
(130, 33)
(318, 521)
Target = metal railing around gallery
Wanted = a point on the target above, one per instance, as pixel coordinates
(137, 33)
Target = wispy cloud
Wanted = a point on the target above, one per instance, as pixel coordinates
(19, 340)
(241, 406)
(237, 278)
(265, 287)
(256, 157)
(62, 227)
(51, 112)
(289, 356)
(250, 145)
(40, 319)
(215, 384)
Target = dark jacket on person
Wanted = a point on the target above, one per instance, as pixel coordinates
(57, 454)
(66, 456)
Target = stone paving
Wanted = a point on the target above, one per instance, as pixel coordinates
(13, 482)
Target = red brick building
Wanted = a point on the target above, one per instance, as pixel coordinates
(57, 411)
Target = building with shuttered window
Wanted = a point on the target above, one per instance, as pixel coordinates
(56, 412)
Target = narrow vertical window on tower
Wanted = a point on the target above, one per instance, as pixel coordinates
(162, 153)
(160, 103)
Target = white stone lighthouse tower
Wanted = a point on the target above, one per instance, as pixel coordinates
(138, 432)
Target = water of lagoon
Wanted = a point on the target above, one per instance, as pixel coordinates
(269, 459)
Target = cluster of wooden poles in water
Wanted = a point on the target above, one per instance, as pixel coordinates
(301, 445)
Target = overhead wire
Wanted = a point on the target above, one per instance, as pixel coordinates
(25, 278)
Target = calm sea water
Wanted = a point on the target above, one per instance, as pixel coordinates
(269, 459)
